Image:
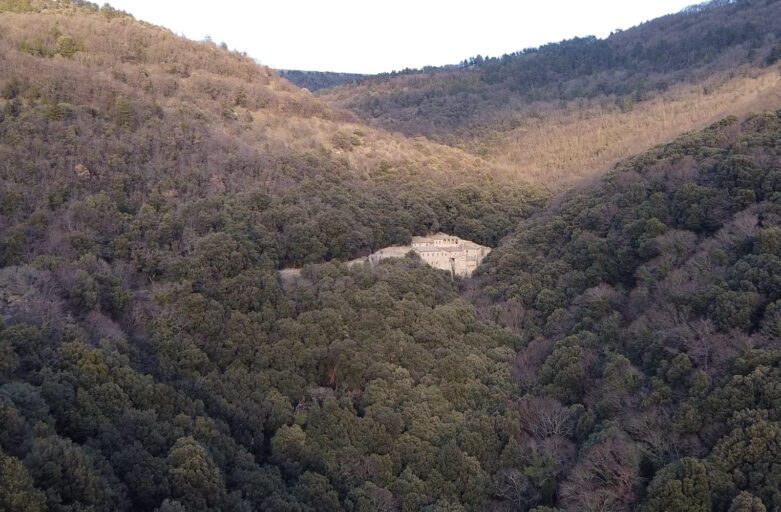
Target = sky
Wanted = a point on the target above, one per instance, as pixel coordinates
(371, 36)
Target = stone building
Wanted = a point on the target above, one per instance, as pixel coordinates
(440, 250)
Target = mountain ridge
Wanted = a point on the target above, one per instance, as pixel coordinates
(490, 99)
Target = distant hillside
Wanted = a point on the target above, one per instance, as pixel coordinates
(316, 80)
(500, 108)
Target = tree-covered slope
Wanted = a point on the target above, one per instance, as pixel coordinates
(683, 47)
(622, 351)
(649, 309)
(619, 351)
(133, 120)
(570, 110)
(363, 389)
(150, 356)
(316, 80)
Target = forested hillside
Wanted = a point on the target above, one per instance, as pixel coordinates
(649, 314)
(620, 349)
(567, 111)
(316, 80)
(101, 108)
(150, 356)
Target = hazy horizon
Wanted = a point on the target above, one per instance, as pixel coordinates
(346, 36)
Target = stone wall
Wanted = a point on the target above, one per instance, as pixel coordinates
(442, 251)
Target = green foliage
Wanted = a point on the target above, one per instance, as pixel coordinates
(123, 110)
(769, 241)
(746, 459)
(196, 480)
(68, 46)
(110, 12)
(682, 486)
(745, 502)
(317, 80)
(16, 6)
(258, 353)
(154, 357)
(68, 475)
(37, 48)
(564, 372)
(53, 44)
(17, 492)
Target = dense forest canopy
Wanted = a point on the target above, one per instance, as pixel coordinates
(620, 349)
(649, 307)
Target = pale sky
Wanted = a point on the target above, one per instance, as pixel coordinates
(365, 36)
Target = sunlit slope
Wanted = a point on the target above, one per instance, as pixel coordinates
(569, 110)
(561, 147)
(95, 102)
(102, 58)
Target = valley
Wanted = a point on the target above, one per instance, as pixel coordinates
(547, 281)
